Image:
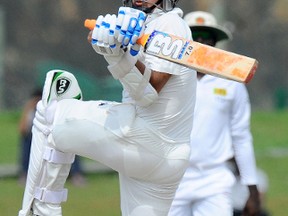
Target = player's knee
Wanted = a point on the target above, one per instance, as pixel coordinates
(50, 112)
(44, 117)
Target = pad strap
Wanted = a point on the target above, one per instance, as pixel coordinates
(53, 156)
(48, 196)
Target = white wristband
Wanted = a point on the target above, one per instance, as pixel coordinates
(123, 66)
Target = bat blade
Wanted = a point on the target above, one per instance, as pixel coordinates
(203, 58)
(200, 57)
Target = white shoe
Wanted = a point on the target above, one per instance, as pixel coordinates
(48, 168)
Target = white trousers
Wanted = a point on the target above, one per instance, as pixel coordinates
(150, 164)
(204, 192)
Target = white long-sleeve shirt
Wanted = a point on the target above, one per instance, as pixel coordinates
(221, 127)
(170, 114)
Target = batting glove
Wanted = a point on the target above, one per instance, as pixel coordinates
(103, 36)
(130, 27)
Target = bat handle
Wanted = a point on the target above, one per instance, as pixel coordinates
(90, 24)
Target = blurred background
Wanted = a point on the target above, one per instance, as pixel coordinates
(36, 36)
(39, 35)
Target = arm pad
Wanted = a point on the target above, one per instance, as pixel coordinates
(139, 88)
(136, 84)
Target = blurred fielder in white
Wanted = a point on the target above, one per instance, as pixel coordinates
(221, 131)
(145, 138)
(240, 192)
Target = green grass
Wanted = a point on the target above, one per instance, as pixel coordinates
(271, 148)
(9, 139)
(101, 195)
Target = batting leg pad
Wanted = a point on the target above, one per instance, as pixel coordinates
(48, 168)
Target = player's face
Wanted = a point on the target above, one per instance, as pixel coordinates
(204, 37)
(144, 3)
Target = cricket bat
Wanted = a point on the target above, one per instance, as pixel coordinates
(200, 57)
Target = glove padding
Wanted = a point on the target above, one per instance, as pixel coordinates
(105, 43)
(111, 35)
(103, 36)
(130, 27)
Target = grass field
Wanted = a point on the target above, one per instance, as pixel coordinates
(101, 195)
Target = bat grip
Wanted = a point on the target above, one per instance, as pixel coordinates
(90, 23)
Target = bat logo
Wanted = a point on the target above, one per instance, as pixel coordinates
(62, 85)
(162, 43)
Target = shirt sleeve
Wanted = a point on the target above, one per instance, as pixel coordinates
(242, 140)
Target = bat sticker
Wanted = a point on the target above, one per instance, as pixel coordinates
(160, 43)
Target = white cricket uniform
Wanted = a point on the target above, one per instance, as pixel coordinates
(148, 146)
(221, 130)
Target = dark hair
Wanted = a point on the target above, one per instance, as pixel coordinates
(167, 5)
